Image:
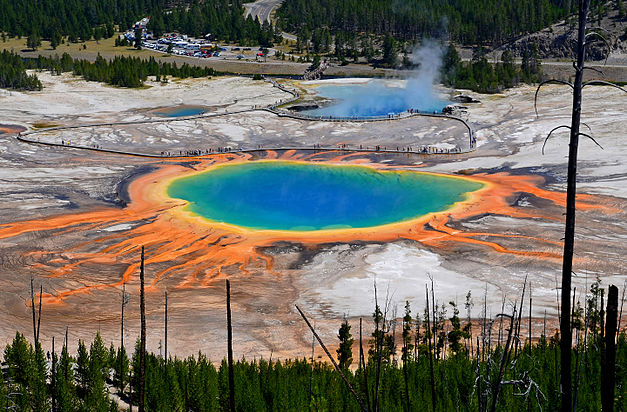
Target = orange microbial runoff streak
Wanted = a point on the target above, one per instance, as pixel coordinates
(194, 252)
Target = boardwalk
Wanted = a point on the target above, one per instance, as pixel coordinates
(32, 136)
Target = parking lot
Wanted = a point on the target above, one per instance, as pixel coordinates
(181, 45)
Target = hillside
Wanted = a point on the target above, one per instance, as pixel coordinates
(559, 39)
(467, 22)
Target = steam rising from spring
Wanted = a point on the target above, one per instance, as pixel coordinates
(383, 97)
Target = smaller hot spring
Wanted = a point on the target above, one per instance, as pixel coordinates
(11, 129)
(179, 111)
(378, 97)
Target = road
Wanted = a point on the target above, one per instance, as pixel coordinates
(262, 9)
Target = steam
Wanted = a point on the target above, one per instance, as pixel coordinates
(379, 98)
(420, 92)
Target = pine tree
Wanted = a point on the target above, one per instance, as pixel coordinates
(345, 350)
(19, 359)
(82, 372)
(390, 55)
(38, 381)
(138, 38)
(55, 39)
(33, 41)
(407, 335)
(457, 333)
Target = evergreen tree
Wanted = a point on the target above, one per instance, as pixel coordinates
(55, 39)
(345, 350)
(390, 55)
(33, 41)
(407, 336)
(457, 333)
(138, 38)
(121, 369)
(82, 373)
(18, 356)
(38, 381)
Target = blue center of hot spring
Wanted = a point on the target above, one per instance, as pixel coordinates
(295, 196)
(180, 111)
(378, 98)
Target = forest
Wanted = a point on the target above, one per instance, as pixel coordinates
(222, 19)
(120, 71)
(13, 73)
(482, 76)
(82, 20)
(435, 359)
(478, 75)
(468, 22)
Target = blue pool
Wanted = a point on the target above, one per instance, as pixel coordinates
(179, 111)
(377, 98)
(279, 195)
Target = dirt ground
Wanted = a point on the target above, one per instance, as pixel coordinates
(72, 219)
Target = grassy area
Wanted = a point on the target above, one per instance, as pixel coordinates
(106, 48)
(85, 50)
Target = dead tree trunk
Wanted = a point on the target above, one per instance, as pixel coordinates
(53, 380)
(362, 360)
(566, 341)
(431, 373)
(41, 292)
(313, 343)
(335, 365)
(124, 302)
(478, 373)
(499, 380)
(32, 306)
(142, 338)
(165, 317)
(230, 348)
(66, 372)
(608, 360)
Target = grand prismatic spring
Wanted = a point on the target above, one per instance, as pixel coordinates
(301, 196)
(75, 220)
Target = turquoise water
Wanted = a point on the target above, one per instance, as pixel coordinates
(377, 98)
(180, 111)
(295, 196)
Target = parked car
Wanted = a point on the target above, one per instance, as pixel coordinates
(240, 56)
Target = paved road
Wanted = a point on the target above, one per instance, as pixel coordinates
(262, 9)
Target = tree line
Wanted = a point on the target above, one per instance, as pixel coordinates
(432, 359)
(76, 19)
(220, 19)
(82, 20)
(482, 76)
(469, 22)
(120, 71)
(13, 73)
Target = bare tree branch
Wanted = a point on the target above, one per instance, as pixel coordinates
(337, 368)
(593, 69)
(591, 138)
(535, 99)
(595, 35)
(602, 83)
(551, 132)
